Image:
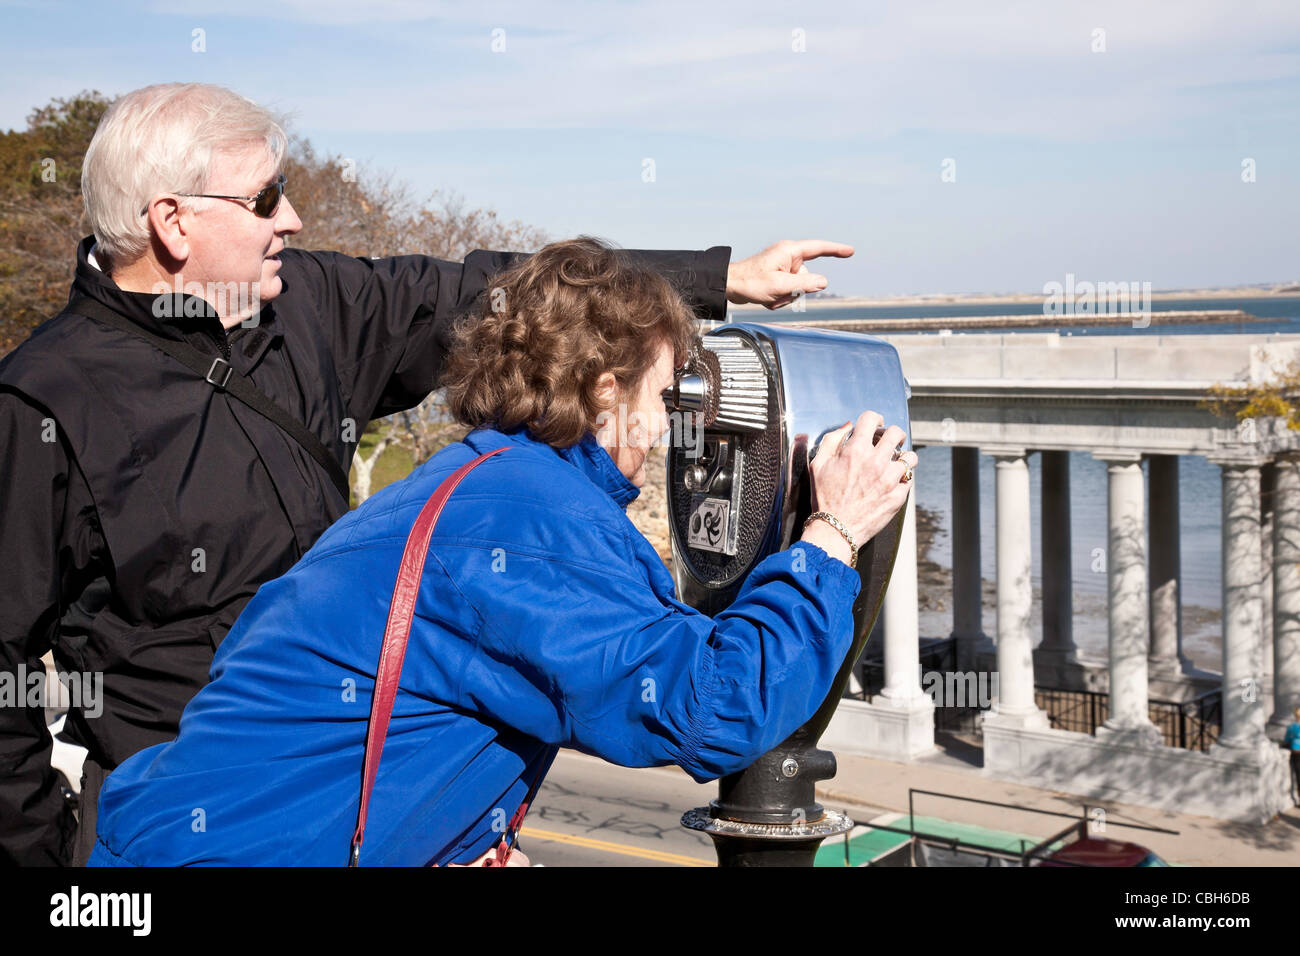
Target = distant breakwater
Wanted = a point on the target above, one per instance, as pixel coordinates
(1031, 321)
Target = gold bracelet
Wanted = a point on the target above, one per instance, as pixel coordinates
(838, 525)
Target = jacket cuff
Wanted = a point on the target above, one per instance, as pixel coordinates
(711, 283)
(829, 571)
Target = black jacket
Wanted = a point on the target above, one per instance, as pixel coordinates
(140, 508)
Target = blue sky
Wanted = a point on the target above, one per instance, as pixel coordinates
(1118, 165)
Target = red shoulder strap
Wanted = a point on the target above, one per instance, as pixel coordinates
(401, 609)
(507, 844)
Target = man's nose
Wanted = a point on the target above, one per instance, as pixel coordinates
(286, 217)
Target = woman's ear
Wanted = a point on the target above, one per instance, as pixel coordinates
(606, 390)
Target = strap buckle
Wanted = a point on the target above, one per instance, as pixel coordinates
(221, 385)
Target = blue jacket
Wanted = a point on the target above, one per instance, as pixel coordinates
(545, 620)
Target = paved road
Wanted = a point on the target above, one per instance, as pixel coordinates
(592, 813)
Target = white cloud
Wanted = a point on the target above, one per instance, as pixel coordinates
(1023, 69)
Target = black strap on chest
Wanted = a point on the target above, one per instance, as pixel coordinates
(224, 377)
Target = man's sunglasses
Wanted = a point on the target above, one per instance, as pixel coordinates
(265, 203)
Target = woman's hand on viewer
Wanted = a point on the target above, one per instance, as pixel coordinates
(858, 482)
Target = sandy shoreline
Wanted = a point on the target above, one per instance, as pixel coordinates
(815, 301)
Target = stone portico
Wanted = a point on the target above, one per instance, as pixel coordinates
(1123, 399)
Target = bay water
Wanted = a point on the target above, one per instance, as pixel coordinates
(1199, 482)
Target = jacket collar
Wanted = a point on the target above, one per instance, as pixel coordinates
(592, 460)
(188, 318)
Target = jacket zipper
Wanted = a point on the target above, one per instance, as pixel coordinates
(223, 343)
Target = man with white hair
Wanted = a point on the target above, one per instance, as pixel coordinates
(181, 433)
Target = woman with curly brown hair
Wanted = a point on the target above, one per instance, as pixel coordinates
(541, 617)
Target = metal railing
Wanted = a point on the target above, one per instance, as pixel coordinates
(938, 655)
(1028, 854)
(1190, 725)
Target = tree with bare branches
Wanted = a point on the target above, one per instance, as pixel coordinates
(355, 211)
(343, 208)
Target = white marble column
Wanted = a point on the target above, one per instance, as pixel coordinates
(902, 617)
(1286, 592)
(1243, 644)
(1267, 496)
(898, 723)
(967, 575)
(1015, 704)
(1166, 657)
(1129, 607)
(1057, 649)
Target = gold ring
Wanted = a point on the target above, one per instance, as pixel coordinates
(907, 475)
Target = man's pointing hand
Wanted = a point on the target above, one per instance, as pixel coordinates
(777, 275)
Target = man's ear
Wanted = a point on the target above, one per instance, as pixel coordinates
(169, 228)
